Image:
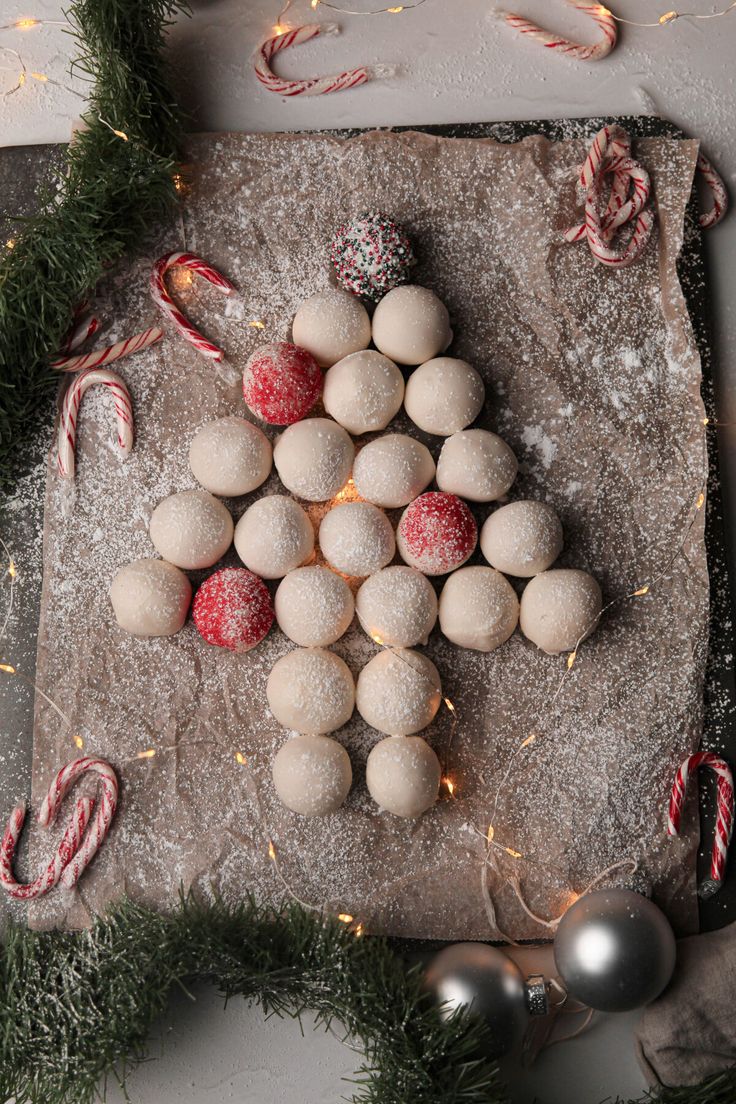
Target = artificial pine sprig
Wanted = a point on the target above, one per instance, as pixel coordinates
(111, 192)
(77, 1007)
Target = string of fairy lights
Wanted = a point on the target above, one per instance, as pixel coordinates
(492, 845)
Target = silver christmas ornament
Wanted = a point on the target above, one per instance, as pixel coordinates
(614, 950)
(483, 980)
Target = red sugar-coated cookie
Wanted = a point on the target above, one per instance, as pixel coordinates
(233, 609)
(281, 383)
(436, 533)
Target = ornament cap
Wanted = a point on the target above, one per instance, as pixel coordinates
(708, 889)
(537, 1000)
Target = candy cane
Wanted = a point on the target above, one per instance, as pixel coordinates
(64, 852)
(63, 782)
(70, 409)
(166, 304)
(610, 155)
(100, 357)
(313, 86)
(602, 16)
(83, 327)
(718, 191)
(724, 817)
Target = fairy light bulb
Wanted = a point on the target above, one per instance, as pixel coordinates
(345, 917)
(240, 758)
(8, 668)
(26, 24)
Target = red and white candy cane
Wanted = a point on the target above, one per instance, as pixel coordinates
(67, 437)
(100, 357)
(724, 812)
(610, 156)
(64, 852)
(166, 304)
(602, 16)
(83, 327)
(312, 86)
(717, 190)
(100, 826)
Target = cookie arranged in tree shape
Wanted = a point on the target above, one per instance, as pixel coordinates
(311, 690)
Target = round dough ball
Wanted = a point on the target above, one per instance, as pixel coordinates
(281, 383)
(312, 775)
(398, 692)
(403, 775)
(478, 608)
(314, 606)
(560, 608)
(411, 325)
(522, 538)
(274, 536)
(444, 396)
(314, 458)
(311, 690)
(150, 598)
(331, 325)
(356, 538)
(230, 457)
(392, 470)
(191, 529)
(397, 606)
(476, 465)
(363, 391)
(232, 609)
(436, 533)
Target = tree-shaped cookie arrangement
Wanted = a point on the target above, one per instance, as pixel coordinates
(362, 561)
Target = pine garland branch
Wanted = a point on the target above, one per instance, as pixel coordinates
(77, 1007)
(111, 193)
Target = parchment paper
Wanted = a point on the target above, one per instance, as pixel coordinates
(592, 376)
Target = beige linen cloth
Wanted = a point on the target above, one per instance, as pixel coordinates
(591, 375)
(689, 1034)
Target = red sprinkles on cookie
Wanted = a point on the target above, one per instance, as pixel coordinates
(233, 609)
(436, 533)
(281, 383)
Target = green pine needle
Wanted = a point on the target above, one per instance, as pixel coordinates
(112, 192)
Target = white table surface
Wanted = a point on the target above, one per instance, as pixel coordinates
(456, 64)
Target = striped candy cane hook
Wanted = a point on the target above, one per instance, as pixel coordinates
(78, 846)
(610, 155)
(64, 852)
(67, 436)
(576, 50)
(724, 813)
(313, 86)
(100, 826)
(169, 309)
(717, 190)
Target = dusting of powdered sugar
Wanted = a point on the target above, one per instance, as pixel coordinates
(555, 337)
